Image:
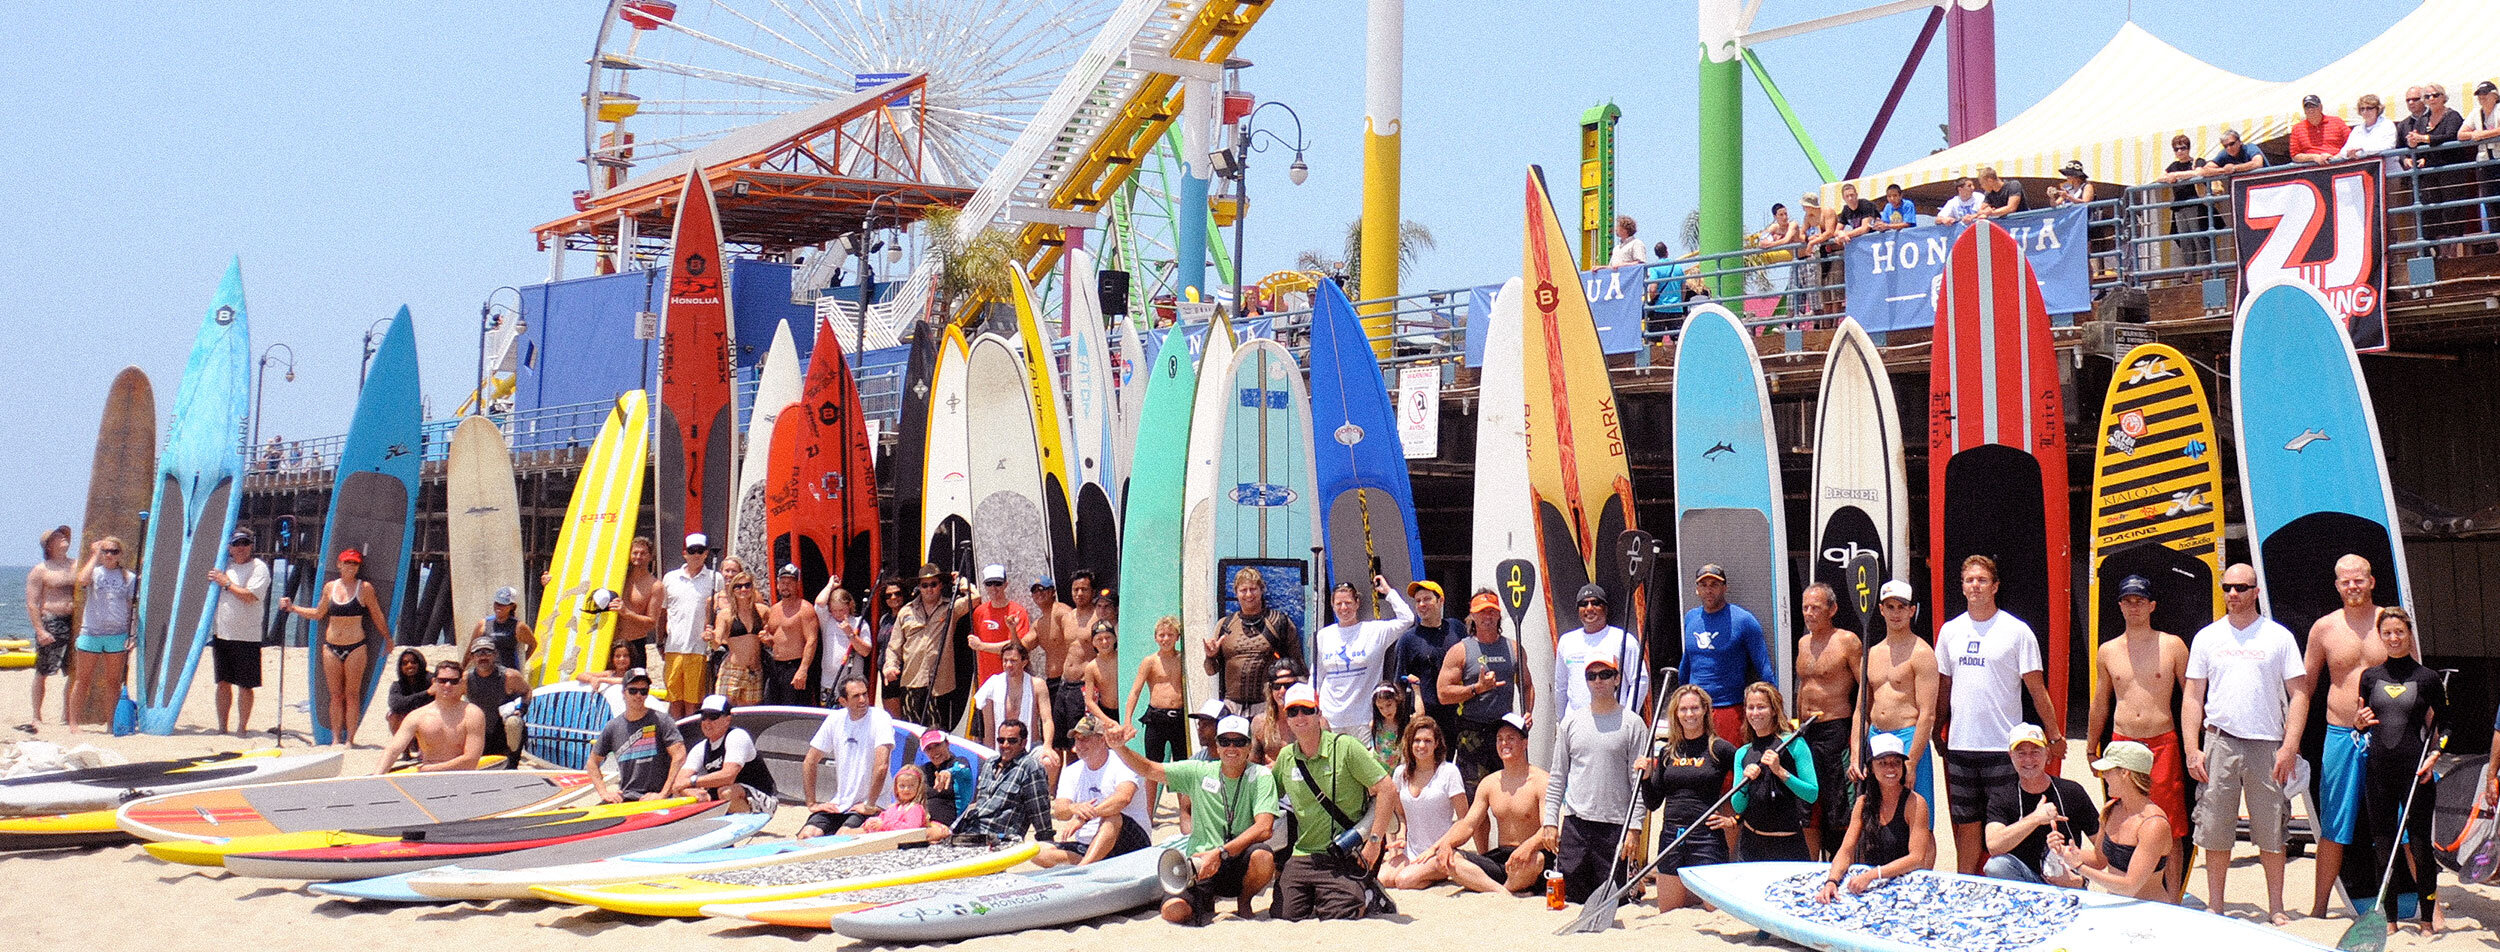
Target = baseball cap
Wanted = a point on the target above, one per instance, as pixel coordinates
(241, 537)
(1232, 725)
(2127, 754)
(788, 570)
(1300, 695)
(2311, 100)
(2136, 585)
(1592, 590)
(1886, 745)
(506, 595)
(1215, 710)
(2485, 86)
(1422, 584)
(1045, 583)
(1594, 663)
(1895, 589)
(993, 572)
(352, 554)
(1710, 570)
(602, 600)
(714, 704)
(1515, 722)
(1086, 726)
(698, 542)
(482, 646)
(638, 674)
(1484, 602)
(2025, 734)
(932, 737)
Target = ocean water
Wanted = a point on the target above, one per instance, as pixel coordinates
(13, 602)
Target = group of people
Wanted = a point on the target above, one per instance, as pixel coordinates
(84, 614)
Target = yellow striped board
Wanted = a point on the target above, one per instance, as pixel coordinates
(1050, 436)
(2156, 497)
(591, 547)
(1579, 480)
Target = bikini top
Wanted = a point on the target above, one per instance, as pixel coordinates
(353, 607)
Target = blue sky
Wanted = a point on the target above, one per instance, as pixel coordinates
(360, 156)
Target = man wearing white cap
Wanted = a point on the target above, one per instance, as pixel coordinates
(1231, 806)
(1330, 778)
(1100, 795)
(514, 642)
(1506, 812)
(2046, 811)
(1595, 639)
(1902, 680)
(997, 620)
(723, 764)
(235, 652)
(686, 611)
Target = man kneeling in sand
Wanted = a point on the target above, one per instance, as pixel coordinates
(449, 734)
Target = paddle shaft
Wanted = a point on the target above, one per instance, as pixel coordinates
(2375, 921)
(1610, 896)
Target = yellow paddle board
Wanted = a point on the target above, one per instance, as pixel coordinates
(214, 852)
(591, 548)
(688, 896)
(2156, 497)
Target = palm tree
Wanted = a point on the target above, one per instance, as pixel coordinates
(975, 269)
(1413, 239)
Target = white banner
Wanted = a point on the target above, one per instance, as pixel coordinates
(1419, 411)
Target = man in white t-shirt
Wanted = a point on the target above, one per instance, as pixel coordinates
(244, 581)
(2247, 701)
(1986, 659)
(723, 765)
(1099, 792)
(686, 608)
(1595, 639)
(859, 739)
(1353, 652)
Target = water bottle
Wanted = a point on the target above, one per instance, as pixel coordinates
(1554, 890)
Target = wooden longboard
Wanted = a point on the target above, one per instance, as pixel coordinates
(373, 504)
(118, 484)
(2156, 497)
(193, 509)
(484, 523)
(1861, 494)
(1996, 445)
(593, 545)
(698, 435)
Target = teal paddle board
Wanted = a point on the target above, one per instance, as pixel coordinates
(1728, 505)
(198, 494)
(1150, 550)
(373, 505)
(1266, 486)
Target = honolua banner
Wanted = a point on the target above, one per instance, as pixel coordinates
(1893, 275)
(2320, 225)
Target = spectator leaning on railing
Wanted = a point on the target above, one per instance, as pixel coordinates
(2429, 131)
(2002, 196)
(2375, 134)
(1964, 205)
(2234, 157)
(2189, 215)
(2075, 187)
(2482, 126)
(2317, 137)
(1897, 211)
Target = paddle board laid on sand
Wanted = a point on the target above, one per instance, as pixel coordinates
(1579, 482)
(592, 547)
(1928, 910)
(1368, 508)
(1051, 439)
(697, 454)
(192, 511)
(102, 788)
(118, 484)
(1030, 901)
(1201, 605)
(2313, 477)
(1265, 505)
(1504, 554)
(1094, 427)
(688, 896)
(426, 849)
(483, 519)
(564, 719)
(373, 506)
(782, 732)
(53, 831)
(2156, 497)
(342, 803)
(1150, 550)
(1729, 507)
(776, 387)
(1996, 445)
(673, 839)
(1861, 493)
(484, 882)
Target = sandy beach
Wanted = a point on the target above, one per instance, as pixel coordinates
(162, 906)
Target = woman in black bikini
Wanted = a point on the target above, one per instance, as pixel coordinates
(1889, 833)
(348, 604)
(2130, 821)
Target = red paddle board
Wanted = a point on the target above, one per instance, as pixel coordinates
(698, 447)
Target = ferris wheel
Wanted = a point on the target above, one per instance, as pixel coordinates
(671, 77)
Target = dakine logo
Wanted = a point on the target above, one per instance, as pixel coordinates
(1715, 450)
(225, 315)
(1844, 554)
(2132, 422)
(2305, 438)
(2154, 368)
(1547, 297)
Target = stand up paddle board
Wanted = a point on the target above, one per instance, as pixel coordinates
(2313, 477)
(438, 847)
(905, 463)
(1050, 435)
(1040, 900)
(946, 492)
(1861, 493)
(697, 458)
(565, 719)
(1265, 508)
(1200, 602)
(2156, 497)
(342, 803)
(118, 484)
(831, 477)
(1010, 500)
(1996, 446)
(1363, 491)
(1729, 508)
(1150, 550)
(1094, 427)
(1136, 361)
(782, 732)
(1504, 556)
(674, 839)
(592, 547)
(484, 882)
(483, 520)
(101, 788)
(691, 895)
(193, 510)
(776, 387)
(373, 508)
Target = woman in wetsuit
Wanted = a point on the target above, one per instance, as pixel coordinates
(2401, 701)
(411, 688)
(348, 604)
(1776, 786)
(1889, 833)
(2132, 821)
(1683, 781)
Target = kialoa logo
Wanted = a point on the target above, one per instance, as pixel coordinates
(1263, 495)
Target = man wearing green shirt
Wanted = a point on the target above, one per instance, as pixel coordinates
(1232, 805)
(1317, 882)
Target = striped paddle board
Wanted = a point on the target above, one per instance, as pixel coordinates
(1504, 556)
(1365, 501)
(592, 546)
(2156, 497)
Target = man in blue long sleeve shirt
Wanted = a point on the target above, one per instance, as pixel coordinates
(1724, 650)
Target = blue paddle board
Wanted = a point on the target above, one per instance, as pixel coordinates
(373, 504)
(198, 494)
(1368, 509)
(1266, 482)
(2313, 478)
(1728, 506)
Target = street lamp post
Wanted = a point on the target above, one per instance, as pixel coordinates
(487, 320)
(1236, 166)
(867, 274)
(373, 337)
(260, 389)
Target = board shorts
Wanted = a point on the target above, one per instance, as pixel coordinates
(1067, 705)
(1828, 742)
(688, 675)
(1703, 848)
(238, 662)
(825, 821)
(102, 644)
(1231, 874)
(2341, 768)
(1167, 734)
(1476, 754)
(2238, 769)
(1496, 863)
(1922, 773)
(2169, 777)
(48, 658)
(1971, 777)
(743, 684)
(1131, 838)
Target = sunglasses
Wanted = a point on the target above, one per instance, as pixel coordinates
(924, 585)
(2238, 587)
(1587, 602)
(639, 692)
(1602, 675)
(1232, 741)
(446, 680)
(1000, 584)
(2413, 99)
(743, 585)
(1015, 741)
(696, 550)
(112, 551)
(1300, 710)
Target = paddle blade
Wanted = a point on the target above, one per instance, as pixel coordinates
(1518, 588)
(2368, 933)
(1865, 572)
(1639, 555)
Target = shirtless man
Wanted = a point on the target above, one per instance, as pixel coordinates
(449, 734)
(639, 611)
(1829, 662)
(1056, 641)
(50, 601)
(2342, 644)
(2141, 673)
(792, 633)
(1507, 811)
(1902, 680)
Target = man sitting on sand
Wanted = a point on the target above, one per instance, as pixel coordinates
(1233, 802)
(1512, 799)
(449, 734)
(724, 765)
(1012, 796)
(1101, 796)
(644, 742)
